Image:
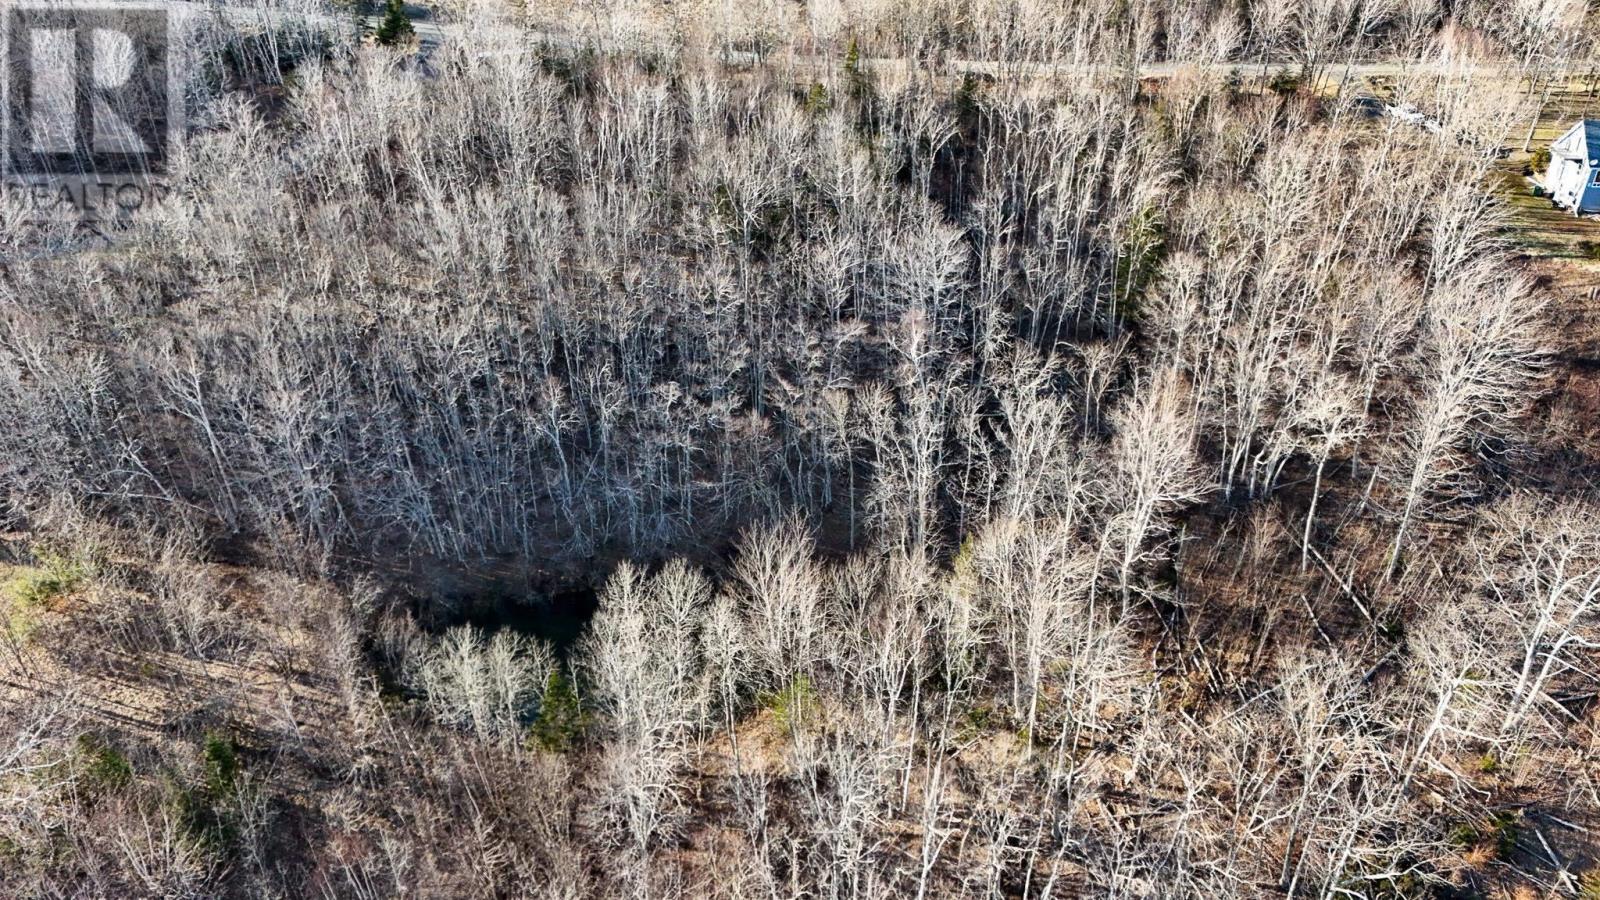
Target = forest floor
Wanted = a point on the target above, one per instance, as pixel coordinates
(127, 674)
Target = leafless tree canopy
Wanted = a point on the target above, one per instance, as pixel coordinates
(966, 448)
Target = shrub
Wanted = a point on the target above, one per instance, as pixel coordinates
(578, 70)
(1540, 160)
(1499, 836)
(203, 809)
(962, 563)
(979, 719)
(198, 816)
(817, 100)
(1234, 83)
(968, 95)
(794, 705)
(1503, 830)
(1284, 83)
(18, 622)
(29, 591)
(857, 80)
(37, 586)
(104, 767)
(220, 756)
(1392, 628)
(1139, 259)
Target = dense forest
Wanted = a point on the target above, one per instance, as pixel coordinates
(851, 448)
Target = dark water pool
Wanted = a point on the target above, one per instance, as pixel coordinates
(557, 618)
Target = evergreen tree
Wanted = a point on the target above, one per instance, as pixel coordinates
(396, 25)
(561, 719)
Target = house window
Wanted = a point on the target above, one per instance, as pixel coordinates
(1594, 177)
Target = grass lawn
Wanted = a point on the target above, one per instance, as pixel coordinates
(1538, 227)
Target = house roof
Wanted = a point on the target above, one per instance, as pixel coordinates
(1582, 141)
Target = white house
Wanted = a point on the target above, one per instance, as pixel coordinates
(1573, 179)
